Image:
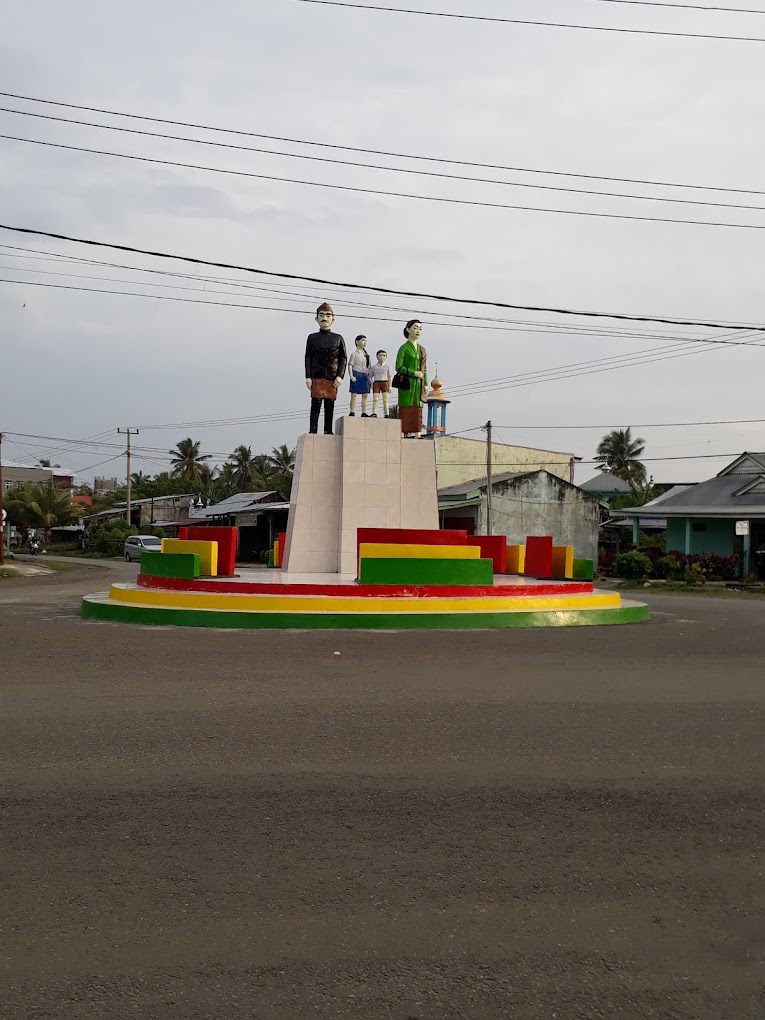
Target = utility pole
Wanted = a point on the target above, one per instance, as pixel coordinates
(487, 426)
(128, 433)
(2, 522)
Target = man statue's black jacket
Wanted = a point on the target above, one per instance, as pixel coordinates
(325, 356)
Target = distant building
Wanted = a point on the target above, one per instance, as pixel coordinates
(157, 510)
(459, 460)
(525, 503)
(16, 474)
(104, 486)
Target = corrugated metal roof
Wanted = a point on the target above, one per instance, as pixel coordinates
(606, 482)
(235, 504)
(475, 484)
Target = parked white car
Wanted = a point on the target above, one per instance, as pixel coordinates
(137, 543)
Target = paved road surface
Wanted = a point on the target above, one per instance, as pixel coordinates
(529, 825)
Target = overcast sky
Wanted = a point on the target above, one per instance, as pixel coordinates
(76, 364)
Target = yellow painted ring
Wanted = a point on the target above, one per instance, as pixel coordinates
(323, 604)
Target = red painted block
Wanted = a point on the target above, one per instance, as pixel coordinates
(493, 547)
(539, 555)
(281, 538)
(226, 539)
(409, 536)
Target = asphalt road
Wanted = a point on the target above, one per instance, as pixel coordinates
(560, 824)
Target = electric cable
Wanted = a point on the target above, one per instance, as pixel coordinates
(378, 192)
(522, 21)
(384, 290)
(381, 152)
(390, 169)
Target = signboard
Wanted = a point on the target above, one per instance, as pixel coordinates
(742, 527)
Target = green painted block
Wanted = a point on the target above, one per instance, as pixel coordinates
(162, 564)
(584, 570)
(414, 571)
(271, 558)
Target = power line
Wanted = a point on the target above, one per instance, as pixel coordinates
(377, 166)
(472, 203)
(548, 327)
(641, 425)
(542, 24)
(381, 152)
(384, 290)
(680, 7)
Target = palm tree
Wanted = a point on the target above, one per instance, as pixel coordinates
(263, 467)
(225, 483)
(40, 506)
(618, 453)
(393, 411)
(23, 510)
(56, 508)
(187, 461)
(244, 468)
(282, 459)
(139, 479)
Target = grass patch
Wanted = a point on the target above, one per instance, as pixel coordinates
(718, 590)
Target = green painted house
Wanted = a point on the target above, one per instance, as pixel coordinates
(724, 515)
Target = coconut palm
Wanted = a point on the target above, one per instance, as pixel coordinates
(225, 483)
(40, 506)
(138, 479)
(282, 459)
(263, 467)
(56, 508)
(23, 510)
(187, 461)
(244, 468)
(618, 453)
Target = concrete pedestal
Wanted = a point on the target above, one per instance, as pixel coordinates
(366, 476)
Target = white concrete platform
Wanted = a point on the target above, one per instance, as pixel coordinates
(366, 476)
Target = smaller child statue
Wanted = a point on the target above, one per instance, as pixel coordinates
(381, 376)
(358, 370)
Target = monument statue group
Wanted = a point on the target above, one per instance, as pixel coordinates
(326, 360)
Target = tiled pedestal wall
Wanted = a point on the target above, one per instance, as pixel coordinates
(367, 476)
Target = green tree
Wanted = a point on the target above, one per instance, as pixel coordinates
(619, 453)
(138, 479)
(187, 462)
(282, 459)
(393, 411)
(40, 506)
(23, 510)
(244, 468)
(263, 467)
(225, 483)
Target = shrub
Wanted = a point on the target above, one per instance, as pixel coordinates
(108, 539)
(632, 565)
(670, 567)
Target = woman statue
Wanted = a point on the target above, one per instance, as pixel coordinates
(411, 363)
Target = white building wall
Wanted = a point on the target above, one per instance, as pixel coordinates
(459, 460)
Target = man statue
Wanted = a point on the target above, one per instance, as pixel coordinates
(325, 363)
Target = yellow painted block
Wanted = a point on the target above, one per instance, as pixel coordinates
(277, 561)
(379, 550)
(563, 561)
(208, 553)
(516, 559)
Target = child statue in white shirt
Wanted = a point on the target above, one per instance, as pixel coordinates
(381, 375)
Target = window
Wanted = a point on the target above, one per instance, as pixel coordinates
(699, 527)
